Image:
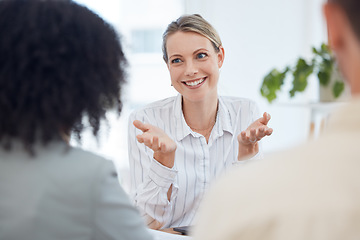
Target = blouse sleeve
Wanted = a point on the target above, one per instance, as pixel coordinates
(115, 216)
(150, 180)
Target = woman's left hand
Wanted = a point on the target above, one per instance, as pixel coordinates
(248, 139)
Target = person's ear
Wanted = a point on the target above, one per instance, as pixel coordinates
(336, 25)
(221, 56)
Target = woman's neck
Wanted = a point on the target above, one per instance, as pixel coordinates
(200, 116)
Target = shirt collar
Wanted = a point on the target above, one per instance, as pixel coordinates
(223, 120)
(182, 129)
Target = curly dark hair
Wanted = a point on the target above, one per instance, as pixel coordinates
(59, 62)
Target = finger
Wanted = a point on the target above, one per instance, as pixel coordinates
(252, 137)
(155, 144)
(163, 147)
(261, 130)
(261, 133)
(243, 137)
(141, 126)
(269, 131)
(140, 138)
(265, 119)
(148, 142)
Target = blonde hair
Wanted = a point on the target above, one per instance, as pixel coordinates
(191, 23)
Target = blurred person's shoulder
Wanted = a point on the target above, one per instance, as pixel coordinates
(289, 187)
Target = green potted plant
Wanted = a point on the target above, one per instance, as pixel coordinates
(322, 64)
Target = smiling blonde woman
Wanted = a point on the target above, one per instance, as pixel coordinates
(179, 145)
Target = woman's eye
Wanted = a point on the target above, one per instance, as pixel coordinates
(176, 60)
(201, 55)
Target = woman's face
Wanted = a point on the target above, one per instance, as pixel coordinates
(193, 65)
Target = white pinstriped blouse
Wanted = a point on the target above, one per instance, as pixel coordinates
(197, 163)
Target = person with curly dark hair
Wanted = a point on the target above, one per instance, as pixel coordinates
(60, 63)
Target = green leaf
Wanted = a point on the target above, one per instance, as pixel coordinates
(272, 83)
(323, 61)
(325, 71)
(325, 49)
(338, 88)
(301, 73)
(315, 51)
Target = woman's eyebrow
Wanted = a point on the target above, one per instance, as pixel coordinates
(175, 55)
(201, 49)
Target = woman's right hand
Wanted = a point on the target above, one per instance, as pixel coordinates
(156, 139)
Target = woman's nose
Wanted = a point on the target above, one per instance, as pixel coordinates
(191, 69)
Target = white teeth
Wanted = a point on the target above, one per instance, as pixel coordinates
(194, 83)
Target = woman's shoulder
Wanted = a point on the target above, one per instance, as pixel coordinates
(231, 101)
(154, 107)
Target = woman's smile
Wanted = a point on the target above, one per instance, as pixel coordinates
(195, 83)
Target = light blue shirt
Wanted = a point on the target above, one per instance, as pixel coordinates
(63, 193)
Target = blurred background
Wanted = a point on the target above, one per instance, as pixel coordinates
(257, 35)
